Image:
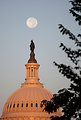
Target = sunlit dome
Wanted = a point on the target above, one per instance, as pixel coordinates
(25, 103)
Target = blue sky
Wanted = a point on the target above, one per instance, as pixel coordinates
(15, 39)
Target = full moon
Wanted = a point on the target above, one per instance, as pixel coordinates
(31, 22)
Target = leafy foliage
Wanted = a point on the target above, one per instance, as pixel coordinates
(69, 99)
(76, 9)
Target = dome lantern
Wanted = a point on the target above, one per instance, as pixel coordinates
(32, 67)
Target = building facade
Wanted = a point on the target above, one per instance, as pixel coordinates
(25, 103)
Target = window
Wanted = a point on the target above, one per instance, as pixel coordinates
(14, 106)
(31, 104)
(26, 104)
(10, 105)
(22, 105)
(32, 72)
(41, 105)
(29, 72)
(17, 105)
(36, 105)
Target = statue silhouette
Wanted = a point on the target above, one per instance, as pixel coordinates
(32, 55)
(32, 46)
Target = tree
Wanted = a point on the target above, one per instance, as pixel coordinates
(69, 99)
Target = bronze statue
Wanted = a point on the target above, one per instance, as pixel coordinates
(32, 55)
(32, 46)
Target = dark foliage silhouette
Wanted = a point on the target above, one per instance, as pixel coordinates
(69, 99)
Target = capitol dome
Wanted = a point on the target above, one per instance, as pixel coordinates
(25, 103)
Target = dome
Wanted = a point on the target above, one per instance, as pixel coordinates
(25, 103)
(26, 100)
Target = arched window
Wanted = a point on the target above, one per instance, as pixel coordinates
(26, 104)
(14, 106)
(32, 72)
(22, 105)
(31, 104)
(36, 105)
(41, 105)
(18, 105)
(10, 105)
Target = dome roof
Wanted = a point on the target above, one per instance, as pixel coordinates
(26, 101)
(26, 98)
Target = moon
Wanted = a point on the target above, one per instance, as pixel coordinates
(31, 22)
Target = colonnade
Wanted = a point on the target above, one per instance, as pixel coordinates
(32, 71)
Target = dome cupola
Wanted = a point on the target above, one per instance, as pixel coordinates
(32, 67)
